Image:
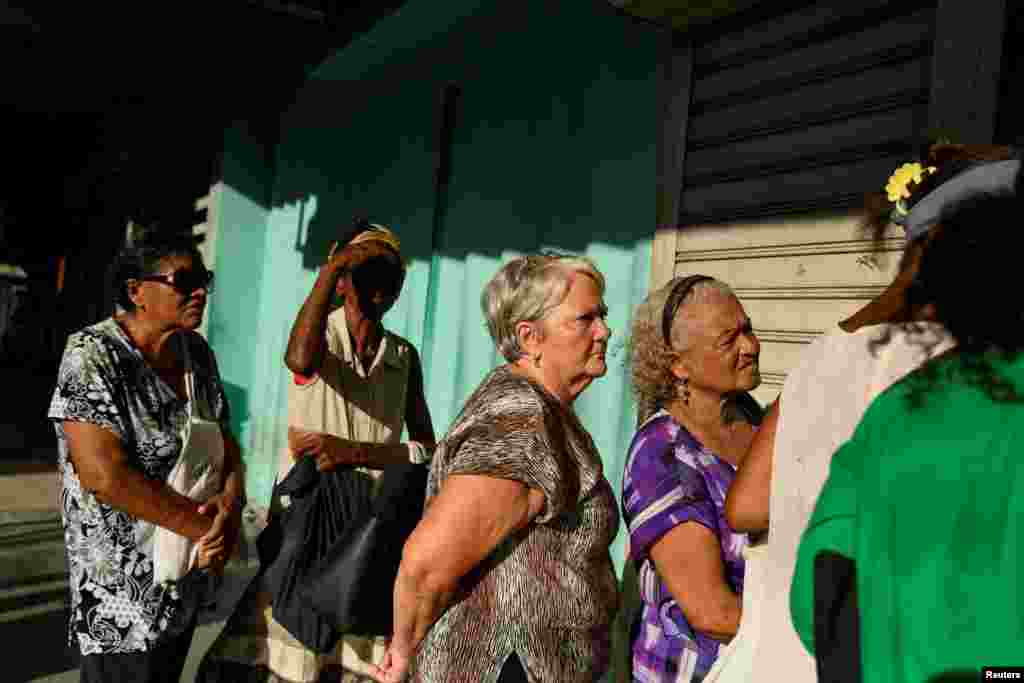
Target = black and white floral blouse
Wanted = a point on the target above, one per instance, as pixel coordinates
(104, 380)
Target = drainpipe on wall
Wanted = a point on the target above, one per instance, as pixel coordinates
(449, 103)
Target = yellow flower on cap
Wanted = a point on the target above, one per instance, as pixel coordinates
(898, 187)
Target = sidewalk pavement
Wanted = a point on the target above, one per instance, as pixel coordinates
(33, 579)
(29, 486)
(33, 571)
(235, 579)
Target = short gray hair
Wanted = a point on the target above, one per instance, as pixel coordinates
(527, 289)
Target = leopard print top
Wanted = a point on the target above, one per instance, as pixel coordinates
(548, 593)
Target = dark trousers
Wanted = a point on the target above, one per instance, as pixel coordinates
(513, 671)
(160, 664)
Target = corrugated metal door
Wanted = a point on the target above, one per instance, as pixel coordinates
(796, 116)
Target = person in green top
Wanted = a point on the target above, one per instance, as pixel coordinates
(927, 496)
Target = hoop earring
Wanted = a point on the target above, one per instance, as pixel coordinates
(685, 391)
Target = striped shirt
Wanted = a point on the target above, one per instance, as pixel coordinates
(670, 478)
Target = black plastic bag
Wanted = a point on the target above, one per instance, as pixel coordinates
(197, 591)
(324, 507)
(352, 587)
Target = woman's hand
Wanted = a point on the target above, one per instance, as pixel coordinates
(211, 555)
(212, 548)
(226, 509)
(393, 667)
(330, 451)
(102, 464)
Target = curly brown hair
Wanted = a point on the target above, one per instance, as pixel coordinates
(650, 364)
(650, 358)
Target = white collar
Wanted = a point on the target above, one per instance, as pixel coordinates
(389, 353)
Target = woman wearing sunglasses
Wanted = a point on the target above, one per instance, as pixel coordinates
(151, 478)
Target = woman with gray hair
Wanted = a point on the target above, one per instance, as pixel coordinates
(694, 357)
(511, 557)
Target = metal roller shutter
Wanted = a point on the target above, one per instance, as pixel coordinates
(792, 118)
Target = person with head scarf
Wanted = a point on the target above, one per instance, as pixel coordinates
(825, 396)
(355, 386)
(923, 505)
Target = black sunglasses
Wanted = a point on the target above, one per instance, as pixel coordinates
(679, 292)
(184, 280)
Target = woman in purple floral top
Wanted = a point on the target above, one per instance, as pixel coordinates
(694, 357)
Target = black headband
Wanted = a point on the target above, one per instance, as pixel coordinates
(679, 292)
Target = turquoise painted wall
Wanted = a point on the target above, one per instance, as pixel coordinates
(235, 320)
(334, 160)
(554, 147)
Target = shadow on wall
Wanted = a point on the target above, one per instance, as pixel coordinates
(341, 156)
(570, 168)
(563, 160)
(546, 176)
(238, 404)
(551, 146)
(326, 227)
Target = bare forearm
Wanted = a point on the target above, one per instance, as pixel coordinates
(724, 621)
(715, 613)
(416, 608)
(748, 501)
(747, 504)
(688, 558)
(129, 490)
(462, 526)
(306, 342)
(234, 486)
(234, 469)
